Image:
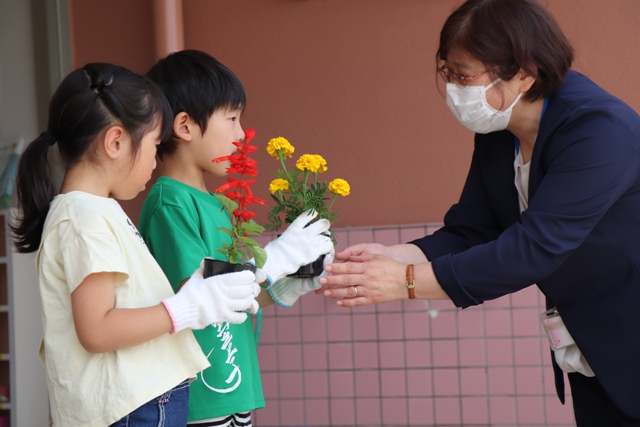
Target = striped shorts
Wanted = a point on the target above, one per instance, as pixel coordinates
(241, 419)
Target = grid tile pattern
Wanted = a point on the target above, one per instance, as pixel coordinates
(409, 363)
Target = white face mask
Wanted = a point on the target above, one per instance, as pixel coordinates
(469, 105)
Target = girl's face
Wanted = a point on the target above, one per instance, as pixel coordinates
(140, 173)
(217, 141)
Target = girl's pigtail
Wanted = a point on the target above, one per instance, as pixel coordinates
(35, 191)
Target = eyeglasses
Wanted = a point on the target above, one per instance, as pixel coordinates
(451, 77)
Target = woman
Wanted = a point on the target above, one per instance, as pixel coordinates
(552, 198)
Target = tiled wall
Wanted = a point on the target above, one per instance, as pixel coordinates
(409, 363)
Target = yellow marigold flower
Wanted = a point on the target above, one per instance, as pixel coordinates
(340, 187)
(320, 163)
(282, 144)
(278, 184)
(312, 162)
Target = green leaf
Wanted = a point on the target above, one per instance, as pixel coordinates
(252, 227)
(245, 252)
(260, 256)
(226, 230)
(235, 258)
(249, 241)
(228, 204)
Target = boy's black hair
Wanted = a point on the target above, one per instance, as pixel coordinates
(196, 83)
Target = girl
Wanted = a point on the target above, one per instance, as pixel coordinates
(107, 306)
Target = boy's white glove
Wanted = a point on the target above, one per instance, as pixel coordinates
(216, 299)
(285, 292)
(297, 246)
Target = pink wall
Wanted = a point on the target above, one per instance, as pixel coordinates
(354, 81)
(118, 31)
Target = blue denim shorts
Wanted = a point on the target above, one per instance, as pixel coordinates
(170, 409)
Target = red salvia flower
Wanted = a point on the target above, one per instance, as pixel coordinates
(239, 189)
(249, 134)
(245, 215)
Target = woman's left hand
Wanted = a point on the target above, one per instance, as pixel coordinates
(365, 279)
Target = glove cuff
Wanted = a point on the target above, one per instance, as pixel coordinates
(183, 314)
(270, 281)
(171, 316)
(279, 298)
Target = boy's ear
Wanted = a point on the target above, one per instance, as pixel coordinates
(183, 126)
(113, 141)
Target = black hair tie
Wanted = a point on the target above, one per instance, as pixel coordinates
(48, 137)
(99, 87)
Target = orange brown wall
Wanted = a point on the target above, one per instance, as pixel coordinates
(354, 81)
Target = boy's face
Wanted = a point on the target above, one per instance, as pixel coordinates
(223, 129)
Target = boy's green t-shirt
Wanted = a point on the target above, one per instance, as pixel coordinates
(179, 224)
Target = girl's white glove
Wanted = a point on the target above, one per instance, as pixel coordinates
(297, 246)
(216, 299)
(285, 292)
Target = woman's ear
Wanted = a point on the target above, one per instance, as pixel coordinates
(113, 142)
(183, 126)
(526, 79)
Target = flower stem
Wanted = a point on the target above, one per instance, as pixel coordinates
(335, 196)
(284, 168)
(306, 179)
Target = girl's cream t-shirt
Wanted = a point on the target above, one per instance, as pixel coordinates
(85, 234)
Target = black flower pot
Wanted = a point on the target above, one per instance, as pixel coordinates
(214, 267)
(313, 269)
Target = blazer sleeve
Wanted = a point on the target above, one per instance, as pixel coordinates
(587, 164)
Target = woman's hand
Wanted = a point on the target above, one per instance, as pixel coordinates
(363, 248)
(373, 273)
(365, 279)
(355, 250)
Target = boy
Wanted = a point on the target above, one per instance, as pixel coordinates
(179, 222)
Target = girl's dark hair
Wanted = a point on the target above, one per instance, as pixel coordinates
(86, 103)
(196, 83)
(510, 35)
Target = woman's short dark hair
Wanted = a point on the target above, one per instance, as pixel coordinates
(510, 35)
(87, 102)
(196, 83)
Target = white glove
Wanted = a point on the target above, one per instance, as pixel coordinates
(260, 277)
(297, 246)
(285, 292)
(215, 299)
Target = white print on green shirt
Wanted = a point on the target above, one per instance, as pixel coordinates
(235, 376)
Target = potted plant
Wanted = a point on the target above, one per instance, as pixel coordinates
(236, 196)
(296, 190)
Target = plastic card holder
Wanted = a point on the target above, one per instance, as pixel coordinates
(557, 332)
